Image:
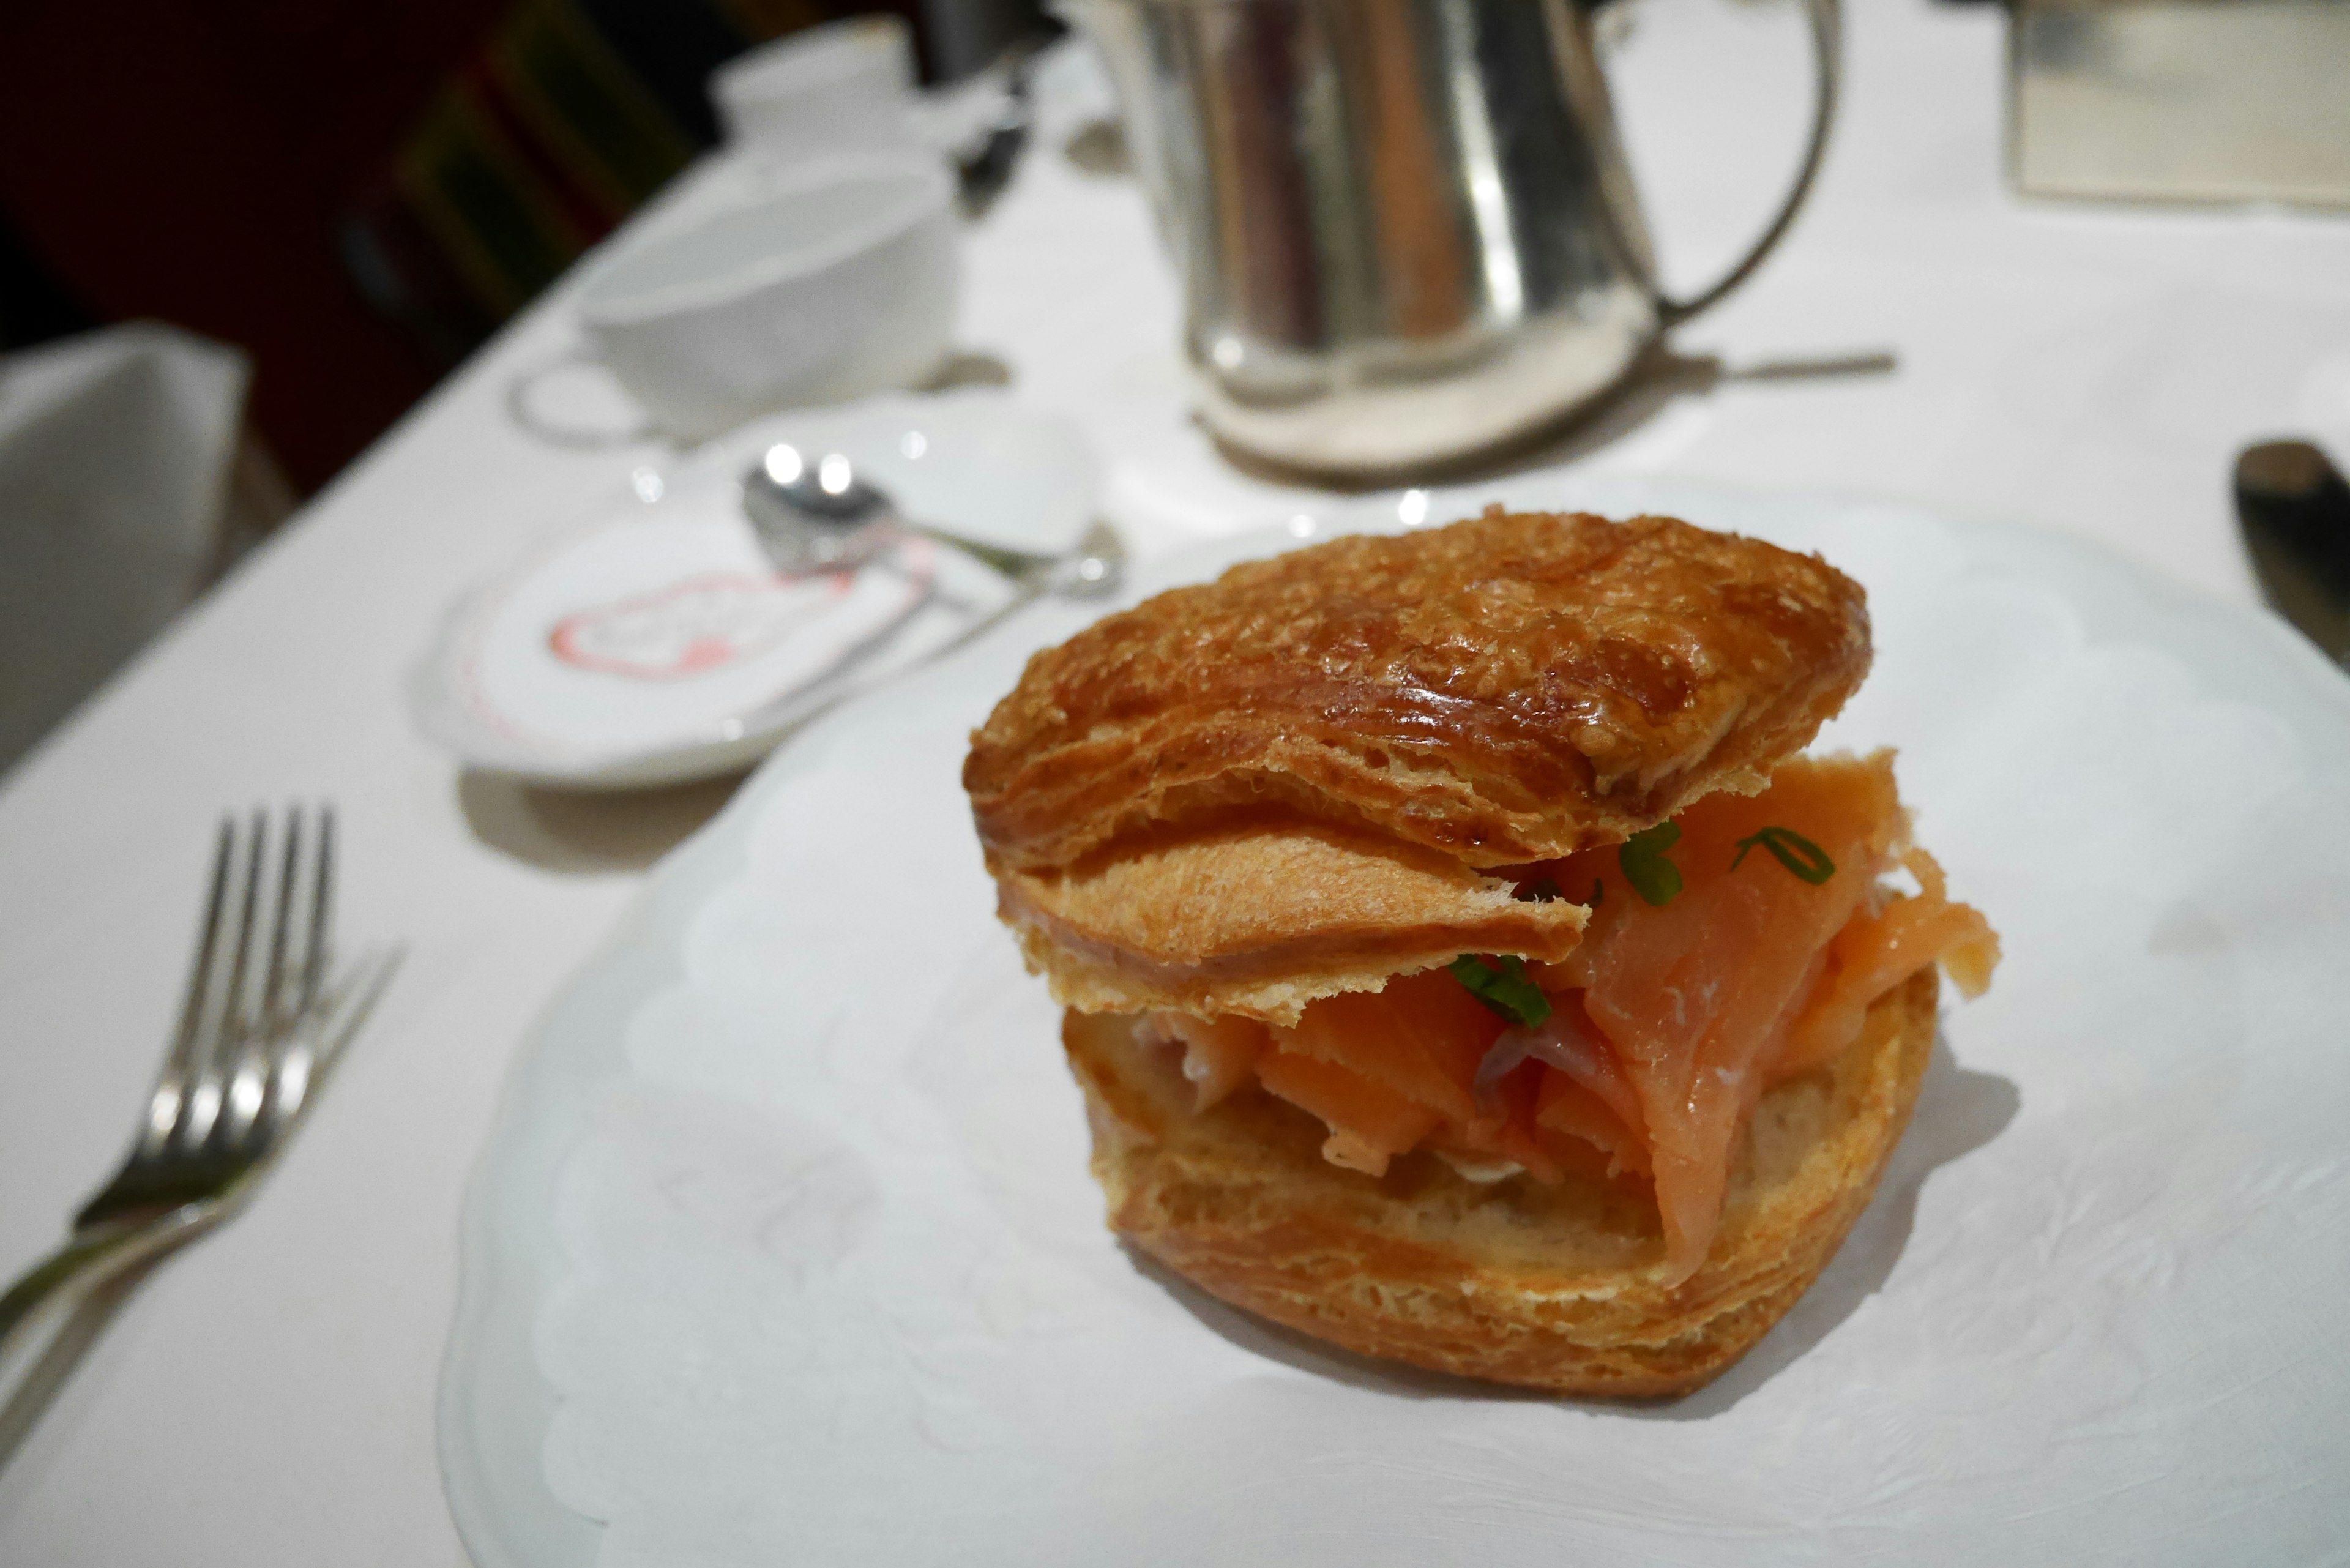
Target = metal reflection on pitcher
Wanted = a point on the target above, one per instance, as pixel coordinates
(1405, 228)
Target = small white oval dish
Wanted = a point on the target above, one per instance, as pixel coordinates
(652, 642)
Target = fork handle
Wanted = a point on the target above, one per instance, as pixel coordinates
(69, 1277)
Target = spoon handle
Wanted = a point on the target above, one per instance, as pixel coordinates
(1014, 564)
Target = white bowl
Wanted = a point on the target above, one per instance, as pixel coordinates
(841, 280)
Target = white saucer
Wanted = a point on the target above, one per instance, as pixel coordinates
(651, 642)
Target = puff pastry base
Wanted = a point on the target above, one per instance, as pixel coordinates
(1551, 1288)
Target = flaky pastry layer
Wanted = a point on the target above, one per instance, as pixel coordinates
(1259, 918)
(1509, 689)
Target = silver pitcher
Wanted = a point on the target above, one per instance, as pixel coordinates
(1406, 231)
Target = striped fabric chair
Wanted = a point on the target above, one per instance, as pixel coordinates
(567, 116)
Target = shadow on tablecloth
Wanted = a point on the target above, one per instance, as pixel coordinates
(577, 833)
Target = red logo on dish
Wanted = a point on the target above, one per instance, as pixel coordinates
(692, 627)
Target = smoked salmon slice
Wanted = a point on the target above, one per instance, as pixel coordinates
(1369, 1122)
(1874, 953)
(1220, 1054)
(1667, 1023)
(1423, 1037)
(1691, 993)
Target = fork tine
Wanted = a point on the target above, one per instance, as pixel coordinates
(273, 1011)
(170, 1084)
(322, 911)
(241, 994)
(307, 1053)
(369, 979)
(229, 1021)
(283, 1058)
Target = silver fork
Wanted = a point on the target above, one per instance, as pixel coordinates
(262, 1024)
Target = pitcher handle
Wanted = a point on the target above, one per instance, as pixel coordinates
(1827, 28)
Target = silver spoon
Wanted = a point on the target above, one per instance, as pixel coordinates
(824, 516)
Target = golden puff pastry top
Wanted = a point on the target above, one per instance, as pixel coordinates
(1512, 688)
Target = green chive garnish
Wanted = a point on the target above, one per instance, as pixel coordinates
(1541, 891)
(1641, 857)
(1501, 983)
(1793, 850)
(1598, 891)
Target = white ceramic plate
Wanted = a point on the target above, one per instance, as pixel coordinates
(649, 642)
(2005, 1383)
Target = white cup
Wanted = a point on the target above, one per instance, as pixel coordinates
(839, 280)
(844, 88)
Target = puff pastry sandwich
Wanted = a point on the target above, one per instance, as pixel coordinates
(1460, 964)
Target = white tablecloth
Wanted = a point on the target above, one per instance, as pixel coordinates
(268, 1398)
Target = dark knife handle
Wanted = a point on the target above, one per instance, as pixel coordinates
(2295, 509)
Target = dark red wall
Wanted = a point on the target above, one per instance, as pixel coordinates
(189, 162)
